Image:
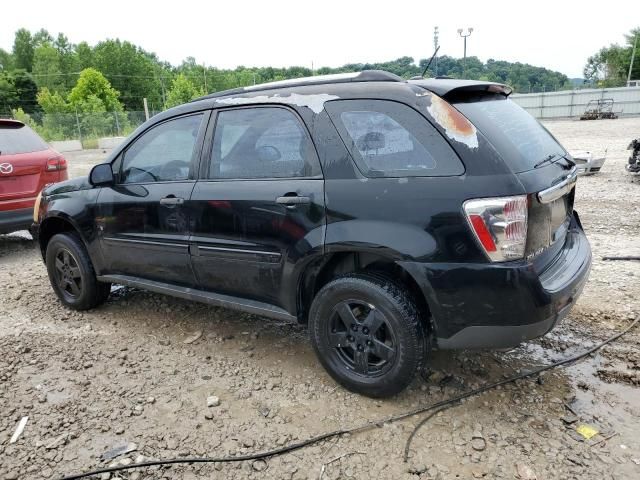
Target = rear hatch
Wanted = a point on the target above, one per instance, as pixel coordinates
(23, 159)
(542, 165)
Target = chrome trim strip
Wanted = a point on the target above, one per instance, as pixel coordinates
(240, 250)
(553, 193)
(146, 242)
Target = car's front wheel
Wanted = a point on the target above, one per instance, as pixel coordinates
(72, 275)
(368, 334)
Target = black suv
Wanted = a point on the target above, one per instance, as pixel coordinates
(389, 215)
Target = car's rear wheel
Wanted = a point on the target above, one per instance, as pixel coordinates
(368, 334)
(72, 275)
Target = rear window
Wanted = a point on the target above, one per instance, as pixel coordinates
(390, 139)
(19, 139)
(519, 138)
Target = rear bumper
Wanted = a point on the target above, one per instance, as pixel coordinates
(502, 305)
(13, 220)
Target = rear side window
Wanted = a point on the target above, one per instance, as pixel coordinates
(390, 139)
(19, 139)
(265, 142)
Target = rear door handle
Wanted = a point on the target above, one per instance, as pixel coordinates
(293, 200)
(171, 201)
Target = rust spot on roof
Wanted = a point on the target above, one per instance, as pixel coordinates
(455, 125)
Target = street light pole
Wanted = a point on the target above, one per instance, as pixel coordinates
(464, 36)
(633, 55)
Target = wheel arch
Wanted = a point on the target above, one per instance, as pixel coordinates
(52, 225)
(324, 269)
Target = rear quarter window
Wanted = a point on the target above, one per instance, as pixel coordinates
(390, 139)
(16, 139)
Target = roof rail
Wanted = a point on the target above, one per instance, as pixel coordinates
(363, 76)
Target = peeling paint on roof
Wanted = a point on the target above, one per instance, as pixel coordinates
(455, 125)
(296, 81)
(314, 102)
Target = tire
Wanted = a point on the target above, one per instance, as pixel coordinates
(72, 275)
(380, 346)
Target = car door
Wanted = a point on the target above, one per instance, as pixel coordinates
(143, 220)
(259, 205)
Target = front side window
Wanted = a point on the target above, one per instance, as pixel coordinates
(266, 142)
(390, 139)
(164, 153)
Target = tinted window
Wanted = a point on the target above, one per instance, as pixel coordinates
(389, 139)
(261, 143)
(19, 139)
(163, 153)
(520, 139)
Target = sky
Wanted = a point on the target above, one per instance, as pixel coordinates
(558, 35)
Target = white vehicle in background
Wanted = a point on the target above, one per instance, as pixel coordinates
(587, 163)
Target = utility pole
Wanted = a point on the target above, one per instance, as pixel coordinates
(465, 35)
(633, 56)
(146, 108)
(435, 48)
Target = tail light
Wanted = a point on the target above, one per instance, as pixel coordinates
(56, 163)
(500, 225)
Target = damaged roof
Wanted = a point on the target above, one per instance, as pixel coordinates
(440, 86)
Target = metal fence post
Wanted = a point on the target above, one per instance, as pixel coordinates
(117, 123)
(78, 124)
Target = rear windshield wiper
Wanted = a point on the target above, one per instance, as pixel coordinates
(547, 159)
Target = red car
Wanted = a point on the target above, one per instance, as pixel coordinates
(27, 164)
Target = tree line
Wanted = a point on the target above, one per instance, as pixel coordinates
(40, 62)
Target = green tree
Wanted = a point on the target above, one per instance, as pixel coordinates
(6, 60)
(84, 55)
(132, 71)
(23, 50)
(182, 91)
(26, 91)
(609, 66)
(68, 60)
(46, 68)
(93, 83)
(8, 94)
(40, 37)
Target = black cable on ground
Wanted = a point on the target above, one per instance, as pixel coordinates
(628, 257)
(527, 374)
(366, 426)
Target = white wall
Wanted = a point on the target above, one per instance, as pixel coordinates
(572, 103)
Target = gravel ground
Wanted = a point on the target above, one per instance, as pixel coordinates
(138, 372)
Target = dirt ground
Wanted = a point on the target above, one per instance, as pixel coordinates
(133, 372)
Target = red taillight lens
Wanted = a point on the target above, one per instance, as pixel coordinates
(56, 163)
(483, 233)
(500, 225)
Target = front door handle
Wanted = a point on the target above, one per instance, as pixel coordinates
(171, 200)
(293, 200)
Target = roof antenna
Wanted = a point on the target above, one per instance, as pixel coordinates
(430, 60)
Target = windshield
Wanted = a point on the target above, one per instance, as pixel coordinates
(19, 139)
(519, 138)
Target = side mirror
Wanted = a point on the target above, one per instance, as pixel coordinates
(101, 175)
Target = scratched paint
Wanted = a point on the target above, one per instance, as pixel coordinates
(314, 102)
(456, 125)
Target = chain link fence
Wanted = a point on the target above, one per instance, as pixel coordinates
(85, 127)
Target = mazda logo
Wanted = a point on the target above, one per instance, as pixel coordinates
(6, 168)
